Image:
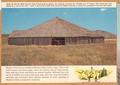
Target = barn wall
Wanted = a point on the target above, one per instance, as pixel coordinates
(48, 40)
(77, 40)
(97, 40)
(29, 41)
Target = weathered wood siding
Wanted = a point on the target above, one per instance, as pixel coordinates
(97, 40)
(77, 40)
(29, 41)
(48, 40)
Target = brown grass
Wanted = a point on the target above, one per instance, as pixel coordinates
(83, 54)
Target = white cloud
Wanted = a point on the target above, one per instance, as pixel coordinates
(103, 9)
(65, 13)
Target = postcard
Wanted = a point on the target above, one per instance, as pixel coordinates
(59, 42)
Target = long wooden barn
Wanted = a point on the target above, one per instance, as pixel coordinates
(54, 32)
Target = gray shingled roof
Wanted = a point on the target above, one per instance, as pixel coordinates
(54, 28)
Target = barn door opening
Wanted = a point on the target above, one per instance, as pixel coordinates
(58, 41)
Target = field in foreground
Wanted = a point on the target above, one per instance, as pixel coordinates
(83, 54)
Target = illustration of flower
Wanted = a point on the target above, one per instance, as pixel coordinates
(92, 74)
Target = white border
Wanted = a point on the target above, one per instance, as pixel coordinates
(58, 4)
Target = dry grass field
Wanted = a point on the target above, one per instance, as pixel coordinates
(83, 54)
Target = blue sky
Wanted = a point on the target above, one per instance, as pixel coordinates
(90, 18)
